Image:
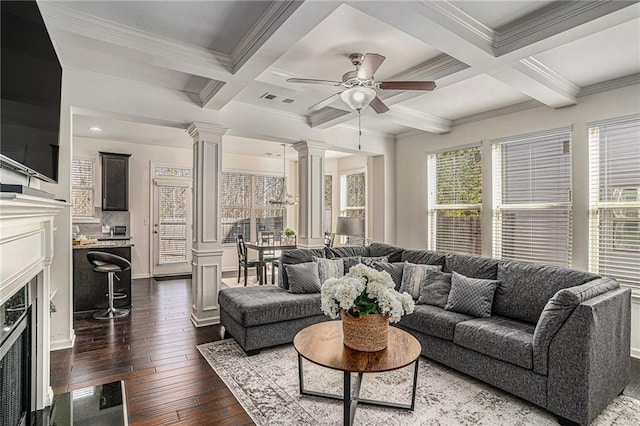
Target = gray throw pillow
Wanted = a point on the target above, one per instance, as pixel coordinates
(328, 268)
(473, 296)
(369, 261)
(394, 269)
(350, 261)
(413, 276)
(435, 289)
(303, 278)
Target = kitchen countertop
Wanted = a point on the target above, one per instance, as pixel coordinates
(105, 244)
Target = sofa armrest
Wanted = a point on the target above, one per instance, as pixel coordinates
(589, 357)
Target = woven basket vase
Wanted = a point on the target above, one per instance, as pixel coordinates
(367, 333)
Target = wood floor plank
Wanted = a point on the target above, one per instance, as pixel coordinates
(153, 350)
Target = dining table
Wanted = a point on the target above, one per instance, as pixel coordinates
(267, 246)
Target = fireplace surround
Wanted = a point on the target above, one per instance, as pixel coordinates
(26, 253)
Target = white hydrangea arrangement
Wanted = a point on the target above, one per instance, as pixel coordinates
(363, 291)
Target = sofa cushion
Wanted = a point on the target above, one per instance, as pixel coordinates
(369, 261)
(425, 257)
(292, 257)
(251, 306)
(471, 266)
(435, 289)
(413, 277)
(348, 262)
(433, 321)
(525, 288)
(500, 338)
(380, 249)
(395, 269)
(327, 268)
(348, 251)
(557, 311)
(303, 278)
(473, 296)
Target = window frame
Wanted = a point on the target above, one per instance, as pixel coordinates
(85, 218)
(344, 209)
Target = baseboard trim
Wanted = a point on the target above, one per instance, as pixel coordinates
(63, 344)
(140, 276)
(635, 353)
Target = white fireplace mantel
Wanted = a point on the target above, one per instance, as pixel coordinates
(26, 252)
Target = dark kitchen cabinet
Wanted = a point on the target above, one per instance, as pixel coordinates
(115, 181)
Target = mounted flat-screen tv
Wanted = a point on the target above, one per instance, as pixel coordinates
(31, 90)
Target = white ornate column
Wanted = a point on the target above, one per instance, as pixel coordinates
(311, 193)
(207, 238)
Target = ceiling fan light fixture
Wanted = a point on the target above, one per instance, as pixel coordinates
(358, 97)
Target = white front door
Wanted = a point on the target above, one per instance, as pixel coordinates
(171, 231)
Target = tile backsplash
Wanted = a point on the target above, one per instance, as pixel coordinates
(106, 218)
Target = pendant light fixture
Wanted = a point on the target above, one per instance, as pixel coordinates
(284, 199)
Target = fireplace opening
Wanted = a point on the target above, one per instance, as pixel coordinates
(16, 384)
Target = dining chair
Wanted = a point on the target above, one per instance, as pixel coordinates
(244, 262)
(328, 239)
(270, 257)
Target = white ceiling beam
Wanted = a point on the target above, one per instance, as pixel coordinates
(418, 120)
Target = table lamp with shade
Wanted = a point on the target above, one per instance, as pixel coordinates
(349, 226)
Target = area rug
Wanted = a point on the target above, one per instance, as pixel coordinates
(267, 387)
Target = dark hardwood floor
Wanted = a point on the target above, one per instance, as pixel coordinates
(154, 351)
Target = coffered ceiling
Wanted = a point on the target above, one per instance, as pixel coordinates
(223, 60)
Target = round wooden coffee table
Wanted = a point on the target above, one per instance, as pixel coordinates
(322, 344)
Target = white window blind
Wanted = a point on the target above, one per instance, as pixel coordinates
(82, 188)
(173, 224)
(328, 202)
(353, 201)
(245, 206)
(455, 201)
(532, 197)
(614, 199)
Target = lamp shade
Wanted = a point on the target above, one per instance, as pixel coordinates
(358, 97)
(351, 226)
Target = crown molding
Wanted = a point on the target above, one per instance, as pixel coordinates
(409, 134)
(616, 83)
(418, 120)
(195, 130)
(209, 91)
(434, 68)
(510, 109)
(550, 79)
(268, 23)
(67, 19)
(266, 111)
(553, 19)
(482, 35)
(324, 116)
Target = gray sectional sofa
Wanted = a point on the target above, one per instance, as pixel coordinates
(557, 337)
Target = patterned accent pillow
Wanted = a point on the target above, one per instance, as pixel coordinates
(473, 296)
(351, 261)
(329, 268)
(435, 289)
(412, 277)
(394, 269)
(369, 261)
(303, 278)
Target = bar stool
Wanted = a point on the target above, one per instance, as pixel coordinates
(110, 264)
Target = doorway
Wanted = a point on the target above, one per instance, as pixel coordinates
(171, 214)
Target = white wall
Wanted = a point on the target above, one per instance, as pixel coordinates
(411, 169)
(139, 187)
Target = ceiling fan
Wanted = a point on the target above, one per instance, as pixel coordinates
(361, 87)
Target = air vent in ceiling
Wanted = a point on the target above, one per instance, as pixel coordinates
(288, 100)
(269, 96)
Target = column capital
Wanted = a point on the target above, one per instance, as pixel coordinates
(305, 146)
(198, 130)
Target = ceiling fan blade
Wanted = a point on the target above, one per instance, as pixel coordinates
(313, 81)
(378, 106)
(323, 103)
(407, 85)
(370, 65)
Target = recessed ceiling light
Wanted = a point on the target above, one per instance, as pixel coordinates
(269, 153)
(95, 129)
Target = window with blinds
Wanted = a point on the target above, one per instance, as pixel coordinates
(353, 200)
(82, 188)
(173, 222)
(245, 206)
(532, 197)
(455, 201)
(328, 203)
(614, 199)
